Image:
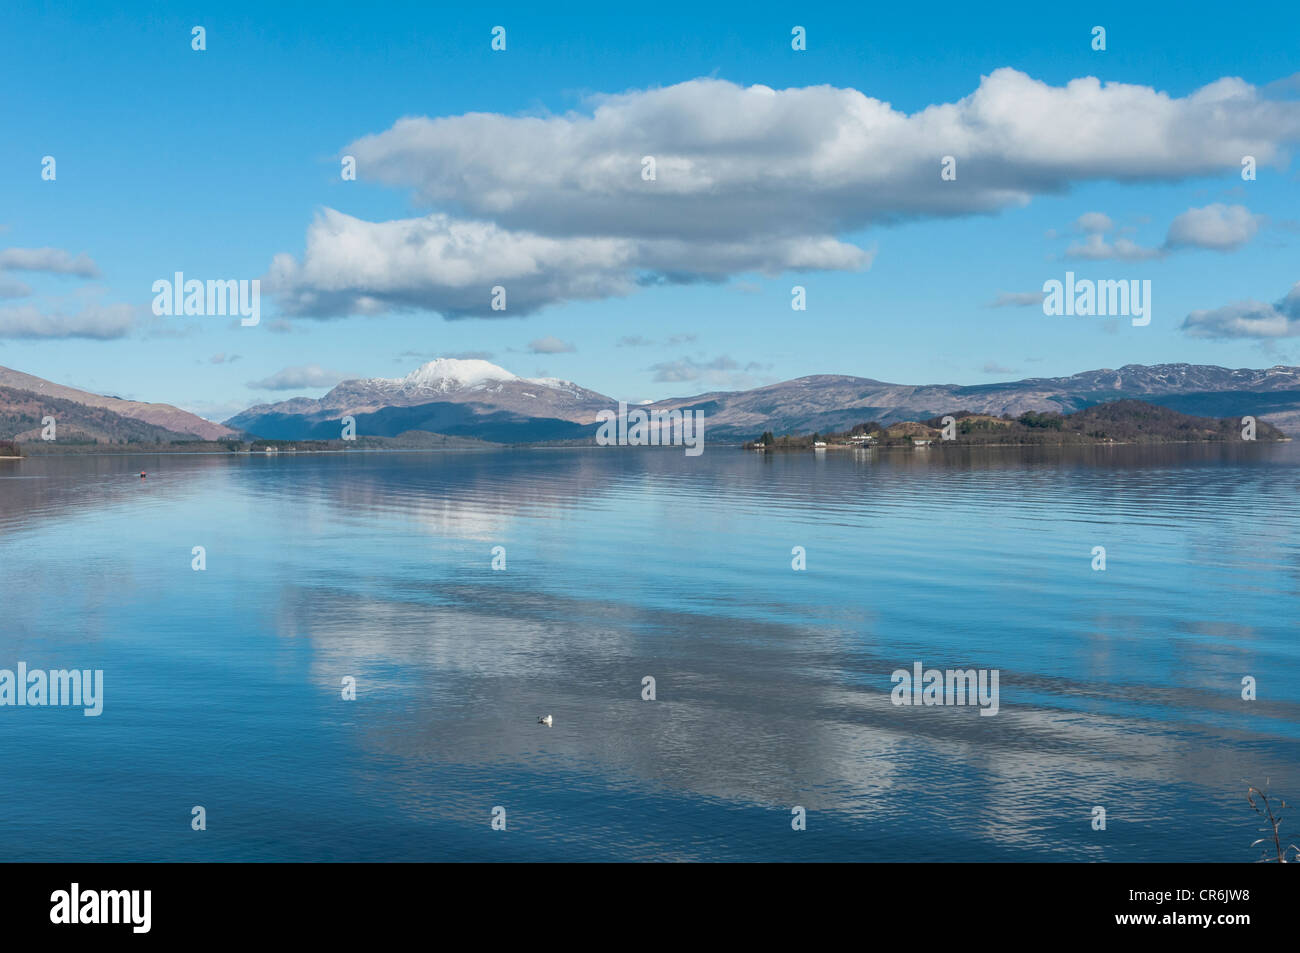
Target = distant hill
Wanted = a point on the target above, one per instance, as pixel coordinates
(22, 397)
(479, 399)
(21, 413)
(1120, 421)
(465, 398)
(832, 403)
(1136, 421)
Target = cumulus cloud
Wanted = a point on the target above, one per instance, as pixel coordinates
(1217, 227)
(731, 160)
(448, 265)
(550, 345)
(1096, 248)
(53, 318)
(1094, 222)
(748, 179)
(14, 289)
(94, 321)
(1248, 319)
(303, 375)
(52, 260)
(1287, 87)
(1017, 299)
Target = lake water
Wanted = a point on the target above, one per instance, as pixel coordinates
(1119, 689)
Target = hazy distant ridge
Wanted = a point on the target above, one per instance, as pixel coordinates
(475, 398)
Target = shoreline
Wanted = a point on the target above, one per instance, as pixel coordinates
(743, 447)
(958, 443)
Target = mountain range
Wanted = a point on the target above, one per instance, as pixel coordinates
(480, 399)
(477, 399)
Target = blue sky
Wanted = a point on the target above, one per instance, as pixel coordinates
(214, 163)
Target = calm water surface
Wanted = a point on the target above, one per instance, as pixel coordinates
(222, 688)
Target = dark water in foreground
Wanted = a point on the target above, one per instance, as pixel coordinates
(1119, 689)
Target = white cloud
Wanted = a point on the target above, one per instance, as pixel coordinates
(448, 265)
(1096, 248)
(748, 179)
(94, 321)
(304, 375)
(1248, 319)
(1094, 222)
(14, 289)
(550, 345)
(53, 318)
(1017, 299)
(1217, 227)
(814, 160)
(53, 260)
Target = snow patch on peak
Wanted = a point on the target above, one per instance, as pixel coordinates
(448, 374)
(554, 383)
(465, 373)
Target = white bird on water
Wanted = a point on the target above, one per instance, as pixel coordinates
(545, 720)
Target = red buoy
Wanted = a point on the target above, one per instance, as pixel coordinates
(141, 474)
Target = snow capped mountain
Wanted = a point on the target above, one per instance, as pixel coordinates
(446, 395)
(448, 374)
